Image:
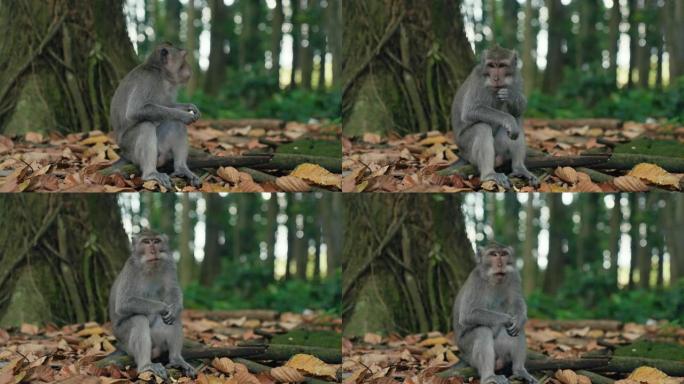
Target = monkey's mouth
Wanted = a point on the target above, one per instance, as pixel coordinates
(500, 274)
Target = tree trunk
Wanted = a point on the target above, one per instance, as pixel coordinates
(634, 237)
(510, 24)
(588, 51)
(271, 228)
(171, 32)
(191, 46)
(614, 237)
(404, 258)
(296, 42)
(414, 54)
(307, 48)
(553, 74)
(333, 216)
(216, 72)
(553, 277)
(211, 264)
(674, 37)
(529, 43)
(277, 39)
(633, 46)
(249, 52)
(530, 263)
(60, 257)
(187, 259)
(334, 35)
(613, 37)
(674, 213)
(60, 64)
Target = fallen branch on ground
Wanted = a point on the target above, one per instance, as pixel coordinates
(122, 360)
(570, 123)
(533, 163)
(604, 325)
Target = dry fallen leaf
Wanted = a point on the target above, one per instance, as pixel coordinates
(286, 375)
(317, 174)
(630, 184)
(649, 375)
(312, 365)
(292, 184)
(654, 174)
(567, 174)
(229, 174)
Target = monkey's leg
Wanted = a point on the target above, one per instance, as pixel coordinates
(513, 350)
(516, 151)
(144, 154)
(171, 337)
(477, 143)
(173, 142)
(137, 342)
(480, 343)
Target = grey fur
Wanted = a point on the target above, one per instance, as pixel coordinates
(145, 305)
(487, 122)
(149, 125)
(489, 320)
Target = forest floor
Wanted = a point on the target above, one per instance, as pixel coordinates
(247, 155)
(263, 347)
(560, 352)
(582, 155)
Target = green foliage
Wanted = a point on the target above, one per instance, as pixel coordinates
(652, 349)
(590, 93)
(312, 147)
(255, 94)
(249, 284)
(312, 338)
(591, 294)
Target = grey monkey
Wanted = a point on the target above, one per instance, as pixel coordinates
(145, 304)
(149, 126)
(486, 116)
(489, 317)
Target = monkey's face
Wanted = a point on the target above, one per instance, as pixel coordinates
(498, 263)
(151, 249)
(174, 63)
(498, 73)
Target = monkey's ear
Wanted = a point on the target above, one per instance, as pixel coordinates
(510, 250)
(164, 54)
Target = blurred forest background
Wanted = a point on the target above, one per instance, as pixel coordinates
(61, 61)
(234, 251)
(610, 256)
(621, 59)
(265, 58)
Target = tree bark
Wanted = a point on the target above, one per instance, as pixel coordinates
(674, 240)
(216, 73)
(191, 46)
(187, 259)
(633, 46)
(414, 54)
(296, 41)
(553, 277)
(614, 237)
(529, 43)
(553, 75)
(277, 39)
(60, 64)
(334, 35)
(613, 37)
(211, 264)
(404, 258)
(271, 228)
(530, 263)
(60, 257)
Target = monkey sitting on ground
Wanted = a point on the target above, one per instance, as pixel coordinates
(487, 117)
(149, 125)
(490, 315)
(145, 305)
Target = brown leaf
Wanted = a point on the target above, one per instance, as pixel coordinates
(567, 174)
(317, 174)
(654, 174)
(286, 375)
(229, 174)
(630, 184)
(312, 365)
(292, 184)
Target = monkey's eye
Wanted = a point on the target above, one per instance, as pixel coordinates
(164, 52)
(491, 65)
(157, 241)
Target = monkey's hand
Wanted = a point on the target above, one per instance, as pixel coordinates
(503, 94)
(512, 127)
(168, 315)
(189, 117)
(193, 108)
(513, 327)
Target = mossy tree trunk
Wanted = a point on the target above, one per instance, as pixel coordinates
(404, 258)
(60, 62)
(60, 255)
(403, 61)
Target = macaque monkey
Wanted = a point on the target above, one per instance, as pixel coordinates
(149, 125)
(490, 315)
(487, 117)
(145, 305)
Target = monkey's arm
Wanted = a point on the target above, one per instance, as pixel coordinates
(491, 116)
(174, 300)
(134, 305)
(156, 112)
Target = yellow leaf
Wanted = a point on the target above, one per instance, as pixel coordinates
(312, 365)
(566, 376)
(292, 184)
(654, 174)
(224, 365)
(434, 341)
(649, 375)
(286, 375)
(95, 140)
(433, 140)
(317, 174)
(97, 330)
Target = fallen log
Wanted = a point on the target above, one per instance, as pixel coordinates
(282, 352)
(121, 359)
(532, 163)
(255, 367)
(571, 123)
(605, 325)
(267, 124)
(258, 314)
(627, 161)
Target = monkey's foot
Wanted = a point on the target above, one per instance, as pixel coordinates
(498, 379)
(498, 178)
(162, 178)
(187, 173)
(155, 368)
(187, 369)
(527, 175)
(523, 374)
